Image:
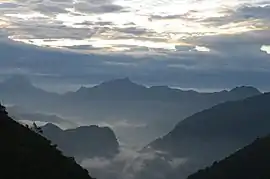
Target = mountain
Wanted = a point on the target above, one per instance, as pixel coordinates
(125, 89)
(21, 115)
(250, 162)
(130, 108)
(158, 108)
(216, 132)
(118, 89)
(83, 142)
(26, 154)
(18, 90)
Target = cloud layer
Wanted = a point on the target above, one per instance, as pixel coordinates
(129, 25)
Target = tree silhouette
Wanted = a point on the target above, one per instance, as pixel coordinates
(36, 128)
(3, 109)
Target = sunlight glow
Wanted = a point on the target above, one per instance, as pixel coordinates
(96, 43)
(266, 49)
(27, 16)
(202, 49)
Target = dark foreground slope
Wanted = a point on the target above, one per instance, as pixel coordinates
(26, 154)
(252, 161)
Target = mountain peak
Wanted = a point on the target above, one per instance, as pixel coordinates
(51, 126)
(246, 90)
(125, 80)
(120, 83)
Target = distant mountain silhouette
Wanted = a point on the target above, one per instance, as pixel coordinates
(26, 154)
(83, 142)
(21, 115)
(244, 91)
(250, 162)
(119, 89)
(216, 132)
(19, 90)
(158, 107)
(18, 83)
(125, 89)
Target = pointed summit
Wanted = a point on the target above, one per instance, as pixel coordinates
(51, 127)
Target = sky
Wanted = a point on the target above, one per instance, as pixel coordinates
(186, 43)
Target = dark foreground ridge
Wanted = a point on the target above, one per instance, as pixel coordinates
(26, 154)
(250, 162)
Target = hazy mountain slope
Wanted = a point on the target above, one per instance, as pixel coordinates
(240, 121)
(25, 154)
(83, 142)
(18, 90)
(214, 133)
(250, 162)
(22, 116)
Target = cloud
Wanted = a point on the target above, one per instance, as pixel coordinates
(176, 162)
(123, 124)
(202, 49)
(130, 164)
(97, 8)
(203, 46)
(95, 163)
(128, 26)
(265, 48)
(232, 58)
(49, 9)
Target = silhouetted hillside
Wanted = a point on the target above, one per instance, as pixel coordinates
(26, 154)
(83, 142)
(250, 162)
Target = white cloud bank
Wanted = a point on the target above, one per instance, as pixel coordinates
(128, 25)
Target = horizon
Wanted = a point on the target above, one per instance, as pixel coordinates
(62, 88)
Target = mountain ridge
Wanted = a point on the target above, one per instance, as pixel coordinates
(121, 99)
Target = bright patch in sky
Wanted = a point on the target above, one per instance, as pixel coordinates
(202, 49)
(266, 48)
(127, 25)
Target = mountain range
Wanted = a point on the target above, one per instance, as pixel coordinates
(154, 109)
(219, 124)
